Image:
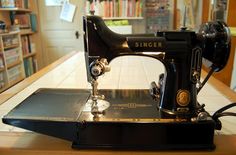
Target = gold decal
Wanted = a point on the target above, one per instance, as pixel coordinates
(145, 44)
(158, 120)
(155, 44)
(183, 97)
(148, 44)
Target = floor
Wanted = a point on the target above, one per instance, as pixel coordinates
(129, 72)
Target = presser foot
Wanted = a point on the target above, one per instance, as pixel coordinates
(97, 102)
(98, 107)
(96, 113)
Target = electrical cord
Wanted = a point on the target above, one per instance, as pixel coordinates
(213, 69)
(225, 114)
(220, 113)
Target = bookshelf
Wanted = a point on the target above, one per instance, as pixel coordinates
(115, 8)
(26, 32)
(29, 54)
(119, 10)
(122, 18)
(18, 16)
(159, 13)
(15, 9)
(11, 60)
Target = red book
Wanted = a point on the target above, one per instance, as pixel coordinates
(110, 8)
(106, 9)
(23, 20)
(120, 8)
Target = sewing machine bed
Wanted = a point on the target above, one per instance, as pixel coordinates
(132, 121)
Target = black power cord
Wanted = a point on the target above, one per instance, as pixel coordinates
(213, 69)
(220, 113)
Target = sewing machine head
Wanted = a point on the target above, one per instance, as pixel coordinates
(181, 53)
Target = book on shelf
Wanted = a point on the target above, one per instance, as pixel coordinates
(2, 83)
(33, 22)
(7, 3)
(16, 70)
(25, 43)
(14, 74)
(158, 13)
(26, 21)
(24, 4)
(23, 20)
(1, 77)
(12, 56)
(33, 47)
(1, 62)
(11, 52)
(31, 68)
(29, 64)
(26, 67)
(10, 40)
(35, 65)
(115, 8)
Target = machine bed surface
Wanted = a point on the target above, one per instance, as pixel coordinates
(132, 121)
(51, 104)
(70, 105)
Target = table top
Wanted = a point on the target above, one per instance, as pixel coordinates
(127, 73)
(20, 143)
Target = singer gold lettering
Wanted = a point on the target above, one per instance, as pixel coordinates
(148, 44)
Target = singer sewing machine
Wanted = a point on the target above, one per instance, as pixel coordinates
(167, 116)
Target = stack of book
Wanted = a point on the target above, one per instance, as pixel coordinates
(158, 13)
(23, 20)
(30, 65)
(23, 4)
(115, 8)
(14, 73)
(12, 56)
(25, 42)
(28, 48)
(26, 21)
(10, 40)
(7, 3)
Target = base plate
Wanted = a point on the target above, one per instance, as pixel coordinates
(131, 121)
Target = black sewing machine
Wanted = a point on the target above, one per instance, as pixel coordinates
(168, 116)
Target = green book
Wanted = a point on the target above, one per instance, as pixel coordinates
(26, 67)
(33, 22)
(31, 70)
(26, 4)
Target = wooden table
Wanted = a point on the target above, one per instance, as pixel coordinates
(36, 144)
